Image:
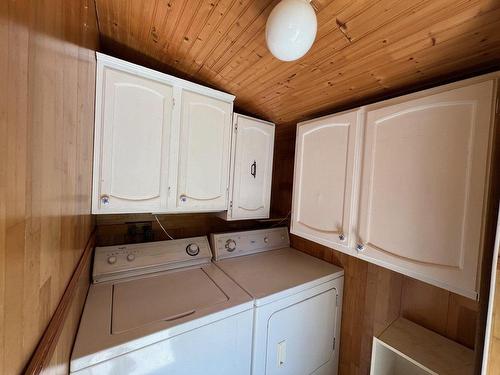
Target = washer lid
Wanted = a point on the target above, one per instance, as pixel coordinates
(136, 307)
(162, 298)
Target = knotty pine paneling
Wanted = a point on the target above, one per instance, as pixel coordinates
(364, 50)
(47, 83)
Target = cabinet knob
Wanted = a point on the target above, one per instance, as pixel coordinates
(360, 247)
(105, 199)
(342, 237)
(183, 198)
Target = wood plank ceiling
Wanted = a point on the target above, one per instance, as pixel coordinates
(364, 49)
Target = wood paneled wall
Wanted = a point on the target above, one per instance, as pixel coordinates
(47, 83)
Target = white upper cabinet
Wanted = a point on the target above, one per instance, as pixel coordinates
(204, 153)
(132, 143)
(324, 179)
(408, 190)
(161, 144)
(422, 197)
(251, 170)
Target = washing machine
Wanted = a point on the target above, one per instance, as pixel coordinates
(163, 308)
(297, 301)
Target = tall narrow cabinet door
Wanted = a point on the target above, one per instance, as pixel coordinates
(253, 164)
(323, 180)
(133, 120)
(423, 186)
(204, 153)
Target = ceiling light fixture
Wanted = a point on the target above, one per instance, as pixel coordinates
(291, 29)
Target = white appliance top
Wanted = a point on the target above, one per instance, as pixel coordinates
(162, 299)
(266, 272)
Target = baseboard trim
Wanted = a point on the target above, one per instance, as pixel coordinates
(42, 355)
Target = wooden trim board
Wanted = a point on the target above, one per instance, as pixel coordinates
(42, 355)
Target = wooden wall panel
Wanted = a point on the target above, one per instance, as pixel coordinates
(47, 83)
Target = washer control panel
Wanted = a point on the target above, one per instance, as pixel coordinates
(227, 245)
(116, 262)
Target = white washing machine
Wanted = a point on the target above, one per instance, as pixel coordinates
(297, 298)
(163, 308)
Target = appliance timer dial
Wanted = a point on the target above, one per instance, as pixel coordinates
(230, 245)
(192, 249)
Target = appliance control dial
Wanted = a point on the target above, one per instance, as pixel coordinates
(130, 257)
(111, 259)
(230, 245)
(192, 249)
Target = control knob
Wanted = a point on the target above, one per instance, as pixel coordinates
(111, 259)
(230, 245)
(130, 257)
(192, 249)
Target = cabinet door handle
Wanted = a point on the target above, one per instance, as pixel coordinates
(253, 169)
(105, 199)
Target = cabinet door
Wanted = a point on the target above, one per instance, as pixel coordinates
(323, 180)
(423, 184)
(204, 153)
(133, 120)
(253, 164)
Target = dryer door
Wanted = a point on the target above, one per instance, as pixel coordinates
(301, 337)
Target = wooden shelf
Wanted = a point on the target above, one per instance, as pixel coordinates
(406, 347)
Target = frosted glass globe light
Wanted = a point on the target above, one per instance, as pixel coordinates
(291, 29)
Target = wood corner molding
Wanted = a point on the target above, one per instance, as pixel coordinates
(46, 346)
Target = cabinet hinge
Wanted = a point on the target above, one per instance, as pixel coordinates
(334, 341)
(173, 102)
(236, 127)
(497, 109)
(336, 300)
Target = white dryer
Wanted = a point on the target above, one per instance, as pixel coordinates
(297, 297)
(163, 308)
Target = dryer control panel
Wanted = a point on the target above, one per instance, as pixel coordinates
(233, 244)
(117, 262)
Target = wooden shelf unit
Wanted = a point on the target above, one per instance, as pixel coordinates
(407, 348)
